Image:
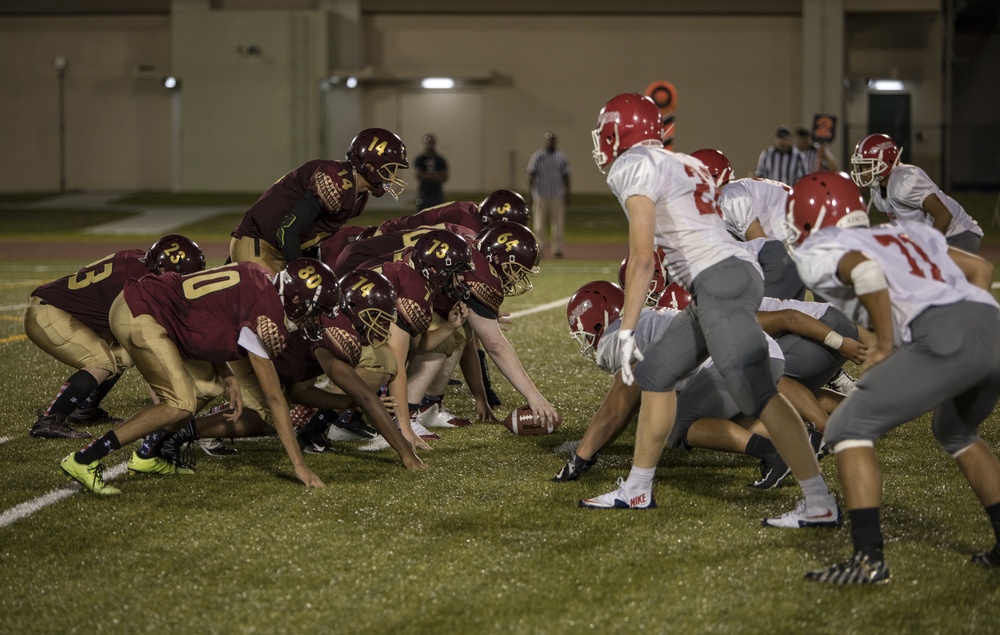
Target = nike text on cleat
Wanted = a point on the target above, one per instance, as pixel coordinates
(802, 516)
(574, 467)
(842, 382)
(155, 465)
(214, 447)
(90, 476)
(862, 568)
(621, 499)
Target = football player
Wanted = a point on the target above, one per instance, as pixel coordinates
(904, 192)
(670, 200)
(182, 330)
(938, 349)
(753, 210)
(366, 308)
(498, 206)
(68, 319)
(314, 200)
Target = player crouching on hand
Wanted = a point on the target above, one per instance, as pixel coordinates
(181, 331)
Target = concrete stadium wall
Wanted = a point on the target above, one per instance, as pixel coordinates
(247, 119)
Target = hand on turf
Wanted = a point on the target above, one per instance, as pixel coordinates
(484, 412)
(414, 463)
(308, 477)
(630, 354)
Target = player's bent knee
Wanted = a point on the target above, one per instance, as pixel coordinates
(955, 447)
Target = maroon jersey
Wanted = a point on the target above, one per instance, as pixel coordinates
(383, 247)
(204, 312)
(346, 236)
(87, 295)
(413, 295)
(332, 182)
(485, 290)
(464, 213)
(298, 361)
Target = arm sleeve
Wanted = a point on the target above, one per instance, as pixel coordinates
(303, 214)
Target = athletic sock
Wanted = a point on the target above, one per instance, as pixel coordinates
(866, 531)
(814, 489)
(96, 397)
(759, 446)
(150, 446)
(98, 448)
(640, 479)
(73, 393)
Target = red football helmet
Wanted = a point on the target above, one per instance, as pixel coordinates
(874, 158)
(657, 284)
(513, 251)
(174, 253)
(503, 205)
(630, 119)
(823, 199)
(440, 256)
(308, 288)
(674, 297)
(369, 300)
(718, 165)
(591, 309)
(376, 154)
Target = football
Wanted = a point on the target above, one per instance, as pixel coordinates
(522, 421)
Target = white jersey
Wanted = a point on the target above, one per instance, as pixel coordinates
(906, 190)
(688, 225)
(745, 200)
(812, 309)
(914, 259)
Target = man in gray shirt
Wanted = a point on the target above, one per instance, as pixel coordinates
(548, 180)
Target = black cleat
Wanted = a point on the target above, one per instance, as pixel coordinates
(862, 568)
(313, 441)
(988, 559)
(351, 426)
(773, 471)
(92, 417)
(574, 467)
(55, 427)
(817, 441)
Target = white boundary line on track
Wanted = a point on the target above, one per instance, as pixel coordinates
(23, 510)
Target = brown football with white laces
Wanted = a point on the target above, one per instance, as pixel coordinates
(522, 421)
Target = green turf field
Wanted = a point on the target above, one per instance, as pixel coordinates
(483, 542)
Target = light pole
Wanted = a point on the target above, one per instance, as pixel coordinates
(61, 73)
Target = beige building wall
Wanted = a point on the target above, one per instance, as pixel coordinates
(246, 119)
(117, 123)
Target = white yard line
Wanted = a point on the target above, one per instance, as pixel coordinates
(541, 307)
(23, 510)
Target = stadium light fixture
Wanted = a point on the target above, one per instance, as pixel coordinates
(885, 84)
(437, 83)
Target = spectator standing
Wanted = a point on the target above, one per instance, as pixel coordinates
(432, 171)
(548, 181)
(815, 156)
(781, 161)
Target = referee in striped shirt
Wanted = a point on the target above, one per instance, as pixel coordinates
(781, 161)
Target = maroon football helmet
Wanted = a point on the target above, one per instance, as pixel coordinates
(368, 299)
(591, 309)
(674, 297)
(874, 158)
(717, 163)
(512, 250)
(174, 252)
(823, 199)
(377, 154)
(503, 205)
(630, 119)
(308, 288)
(656, 285)
(440, 256)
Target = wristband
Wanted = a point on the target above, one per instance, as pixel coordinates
(834, 340)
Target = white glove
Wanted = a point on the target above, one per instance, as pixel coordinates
(630, 354)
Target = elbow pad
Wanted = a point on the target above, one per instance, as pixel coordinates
(868, 277)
